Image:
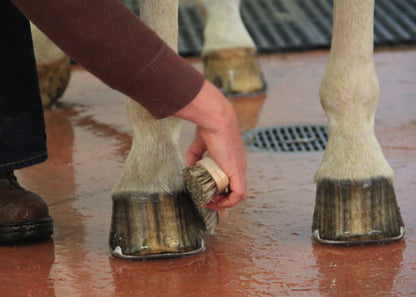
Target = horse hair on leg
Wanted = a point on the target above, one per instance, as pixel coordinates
(355, 199)
(153, 215)
(229, 53)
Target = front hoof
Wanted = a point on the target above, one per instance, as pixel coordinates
(352, 212)
(154, 226)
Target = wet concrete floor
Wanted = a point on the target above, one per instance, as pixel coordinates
(264, 246)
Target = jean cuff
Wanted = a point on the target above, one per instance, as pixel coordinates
(26, 162)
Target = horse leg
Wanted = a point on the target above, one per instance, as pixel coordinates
(152, 213)
(229, 53)
(53, 65)
(355, 199)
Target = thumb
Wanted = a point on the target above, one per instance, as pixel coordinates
(196, 151)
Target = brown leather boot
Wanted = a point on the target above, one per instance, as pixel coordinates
(23, 214)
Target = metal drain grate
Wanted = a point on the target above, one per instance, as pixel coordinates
(296, 25)
(287, 138)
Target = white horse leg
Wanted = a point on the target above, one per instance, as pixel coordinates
(53, 65)
(229, 53)
(355, 200)
(152, 214)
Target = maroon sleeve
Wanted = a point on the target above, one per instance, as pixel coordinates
(112, 43)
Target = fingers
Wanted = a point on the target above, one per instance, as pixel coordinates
(220, 202)
(226, 202)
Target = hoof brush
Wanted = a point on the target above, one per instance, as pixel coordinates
(203, 181)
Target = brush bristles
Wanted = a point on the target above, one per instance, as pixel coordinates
(201, 187)
(201, 184)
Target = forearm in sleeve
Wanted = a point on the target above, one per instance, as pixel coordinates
(112, 43)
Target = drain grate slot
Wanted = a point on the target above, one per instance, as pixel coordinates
(287, 138)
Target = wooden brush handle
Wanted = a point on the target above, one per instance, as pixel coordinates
(220, 178)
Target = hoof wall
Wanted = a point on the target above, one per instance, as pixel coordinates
(234, 71)
(156, 225)
(356, 212)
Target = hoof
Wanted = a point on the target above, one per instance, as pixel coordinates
(235, 71)
(53, 79)
(352, 212)
(146, 226)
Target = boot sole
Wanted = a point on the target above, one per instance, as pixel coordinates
(22, 231)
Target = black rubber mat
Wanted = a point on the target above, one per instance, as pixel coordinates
(287, 138)
(296, 25)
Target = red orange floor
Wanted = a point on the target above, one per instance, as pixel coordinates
(264, 245)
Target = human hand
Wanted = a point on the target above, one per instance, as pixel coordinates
(218, 133)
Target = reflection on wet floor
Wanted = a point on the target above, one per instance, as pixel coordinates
(248, 109)
(376, 262)
(263, 246)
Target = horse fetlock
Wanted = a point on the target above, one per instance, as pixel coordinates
(351, 89)
(224, 28)
(353, 156)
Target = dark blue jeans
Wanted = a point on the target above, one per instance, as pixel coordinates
(22, 127)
